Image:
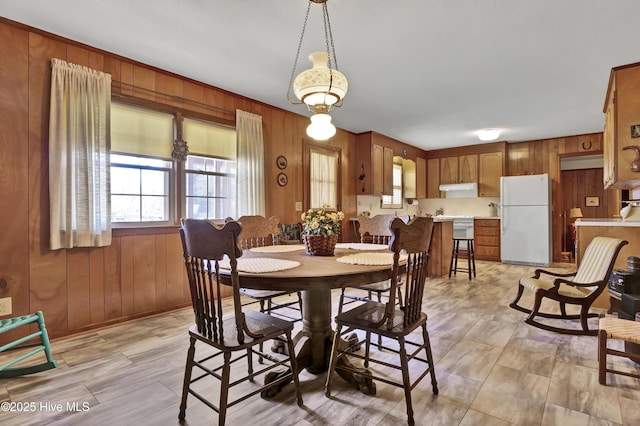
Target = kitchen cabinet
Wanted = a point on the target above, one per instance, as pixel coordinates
(489, 172)
(376, 160)
(460, 169)
(433, 178)
(487, 239)
(622, 127)
(409, 178)
(421, 178)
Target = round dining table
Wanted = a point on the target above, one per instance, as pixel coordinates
(314, 277)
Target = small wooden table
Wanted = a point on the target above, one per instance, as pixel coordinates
(315, 277)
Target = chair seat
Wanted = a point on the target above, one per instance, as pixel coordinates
(534, 285)
(259, 323)
(621, 329)
(262, 294)
(365, 316)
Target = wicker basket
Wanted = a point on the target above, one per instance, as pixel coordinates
(318, 245)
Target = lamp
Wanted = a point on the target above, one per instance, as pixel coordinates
(321, 87)
(488, 134)
(575, 212)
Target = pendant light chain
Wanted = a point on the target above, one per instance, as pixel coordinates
(295, 62)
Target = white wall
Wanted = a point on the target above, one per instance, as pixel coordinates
(371, 204)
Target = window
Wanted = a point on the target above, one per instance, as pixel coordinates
(210, 170)
(143, 173)
(141, 166)
(395, 200)
(323, 178)
(210, 188)
(139, 189)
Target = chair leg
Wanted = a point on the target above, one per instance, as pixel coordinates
(341, 302)
(300, 303)
(427, 348)
(250, 362)
(224, 388)
(602, 357)
(294, 369)
(453, 250)
(188, 369)
(332, 360)
(44, 337)
(406, 381)
(367, 349)
(514, 304)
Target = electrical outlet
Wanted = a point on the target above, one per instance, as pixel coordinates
(5, 306)
(298, 206)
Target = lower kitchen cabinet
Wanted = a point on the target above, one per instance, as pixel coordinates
(487, 239)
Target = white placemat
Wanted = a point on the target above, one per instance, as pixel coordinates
(257, 265)
(278, 249)
(370, 259)
(362, 246)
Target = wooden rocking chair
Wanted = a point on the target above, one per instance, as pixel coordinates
(588, 282)
(41, 345)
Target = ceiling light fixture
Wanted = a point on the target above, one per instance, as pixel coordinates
(321, 87)
(489, 134)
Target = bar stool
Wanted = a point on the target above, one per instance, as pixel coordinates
(467, 253)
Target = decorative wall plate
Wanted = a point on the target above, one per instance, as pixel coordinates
(282, 179)
(281, 161)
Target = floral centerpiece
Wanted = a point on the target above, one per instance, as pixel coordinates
(321, 229)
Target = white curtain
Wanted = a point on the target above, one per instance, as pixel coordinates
(323, 181)
(79, 145)
(250, 166)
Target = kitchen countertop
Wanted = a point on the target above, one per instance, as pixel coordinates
(607, 222)
(487, 217)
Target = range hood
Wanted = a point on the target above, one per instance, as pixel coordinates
(460, 190)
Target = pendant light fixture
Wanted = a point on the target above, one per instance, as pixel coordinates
(321, 87)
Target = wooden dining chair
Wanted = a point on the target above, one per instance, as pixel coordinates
(233, 335)
(393, 322)
(373, 230)
(258, 231)
(580, 288)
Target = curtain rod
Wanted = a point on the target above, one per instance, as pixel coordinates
(174, 97)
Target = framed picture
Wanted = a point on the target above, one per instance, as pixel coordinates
(592, 201)
(281, 161)
(282, 179)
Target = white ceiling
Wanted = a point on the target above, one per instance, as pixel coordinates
(427, 72)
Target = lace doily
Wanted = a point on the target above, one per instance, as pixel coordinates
(370, 259)
(362, 246)
(258, 265)
(278, 249)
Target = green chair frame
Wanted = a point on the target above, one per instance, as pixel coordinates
(7, 370)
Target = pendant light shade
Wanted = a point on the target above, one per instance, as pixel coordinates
(321, 128)
(320, 85)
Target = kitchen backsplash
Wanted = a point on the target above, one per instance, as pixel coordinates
(451, 206)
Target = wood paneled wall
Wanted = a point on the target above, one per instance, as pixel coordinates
(142, 272)
(543, 156)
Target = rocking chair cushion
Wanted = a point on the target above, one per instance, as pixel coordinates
(534, 285)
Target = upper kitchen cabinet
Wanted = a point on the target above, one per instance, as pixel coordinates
(433, 178)
(376, 160)
(460, 169)
(421, 178)
(491, 166)
(621, 139)
(374, 154)
(414, 178)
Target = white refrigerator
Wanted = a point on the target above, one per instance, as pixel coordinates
(525, 220)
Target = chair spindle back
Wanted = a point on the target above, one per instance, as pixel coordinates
(204, 246)
(414, 239)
